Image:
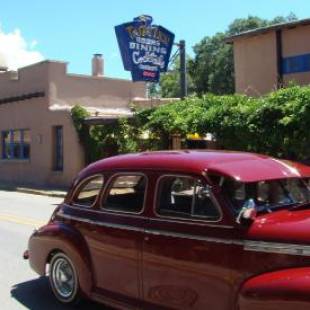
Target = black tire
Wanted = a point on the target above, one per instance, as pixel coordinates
(63, 279)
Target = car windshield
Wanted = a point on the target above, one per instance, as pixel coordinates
(267, 195)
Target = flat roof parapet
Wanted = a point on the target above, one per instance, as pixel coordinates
(263, 30)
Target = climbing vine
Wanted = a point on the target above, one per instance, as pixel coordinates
(276, 124)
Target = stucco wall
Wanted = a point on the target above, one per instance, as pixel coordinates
(71, 89)
(255, 59)
(296, 41)
(255, 64)
(41, 114)
(29, 79)
(34, 115)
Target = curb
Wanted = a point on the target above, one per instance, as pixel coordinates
(34, 191)
(40, 192)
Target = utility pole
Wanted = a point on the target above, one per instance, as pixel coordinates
(183, 81)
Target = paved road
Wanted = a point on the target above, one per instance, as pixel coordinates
(20, 287)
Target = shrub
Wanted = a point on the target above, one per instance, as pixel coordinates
(275, 124)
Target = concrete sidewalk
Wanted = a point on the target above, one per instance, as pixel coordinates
(51, 192)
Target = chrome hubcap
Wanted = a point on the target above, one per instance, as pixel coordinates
(63, 278)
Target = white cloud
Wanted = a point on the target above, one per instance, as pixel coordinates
(16, 52)
(33, 44)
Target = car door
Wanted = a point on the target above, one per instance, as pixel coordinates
(115, 240)
(186, 248)
(112, 224)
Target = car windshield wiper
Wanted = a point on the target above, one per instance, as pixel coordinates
(299, 205)
(272, 207)
(263, 208)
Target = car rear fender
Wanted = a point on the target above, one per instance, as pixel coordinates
(59, 237)
(283, 289)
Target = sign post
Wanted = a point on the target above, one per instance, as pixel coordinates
(145, 48)
(183, 81)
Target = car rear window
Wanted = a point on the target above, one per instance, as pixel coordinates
(88, 191)
(126, 193)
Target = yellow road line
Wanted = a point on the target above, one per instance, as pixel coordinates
(20, 220)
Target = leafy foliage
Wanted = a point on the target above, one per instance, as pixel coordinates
(170, 82)
(122, 136)
(212, 69)
(276, 124)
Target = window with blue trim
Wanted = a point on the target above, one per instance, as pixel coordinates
(58, 157)
(296, 64)
(15, 144)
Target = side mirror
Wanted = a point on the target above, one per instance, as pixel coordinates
(247, 212)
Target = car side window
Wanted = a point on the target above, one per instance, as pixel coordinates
(88, 191)
(185, 197)
(126, 193)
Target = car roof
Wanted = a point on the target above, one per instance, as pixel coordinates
(242, 166)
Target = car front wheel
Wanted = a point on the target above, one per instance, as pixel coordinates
(63, 279)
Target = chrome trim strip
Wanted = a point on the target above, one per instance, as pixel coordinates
(193, 237)
(92, 222)
(101, 211)
(248, 245)
(186, 222)
(277, 247)
(151, 231)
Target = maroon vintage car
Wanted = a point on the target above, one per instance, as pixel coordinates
(181, 230)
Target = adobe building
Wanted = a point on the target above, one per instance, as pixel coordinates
(39, 144)
(268, 58)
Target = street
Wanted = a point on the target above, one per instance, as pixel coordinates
(20, 287)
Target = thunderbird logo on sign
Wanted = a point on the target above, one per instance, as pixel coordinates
(145, 48)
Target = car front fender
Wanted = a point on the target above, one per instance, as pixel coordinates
(59, 237)
(284, 289)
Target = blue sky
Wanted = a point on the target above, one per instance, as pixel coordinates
(73, 30)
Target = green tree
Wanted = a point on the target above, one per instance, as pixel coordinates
(170, 82)
(154, 90)
(211, 69)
